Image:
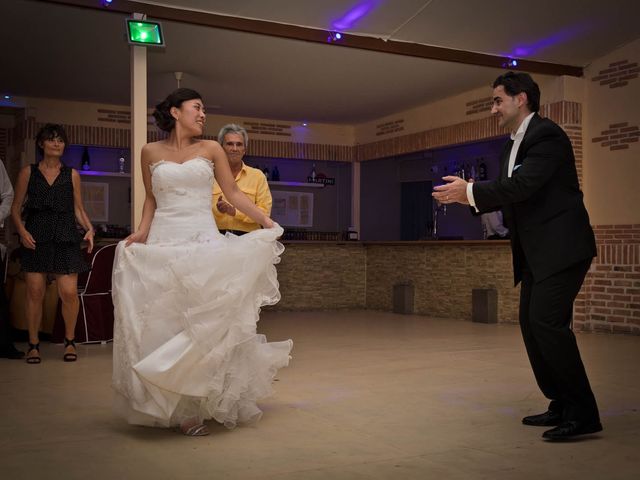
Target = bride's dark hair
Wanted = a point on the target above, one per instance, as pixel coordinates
(162, 113)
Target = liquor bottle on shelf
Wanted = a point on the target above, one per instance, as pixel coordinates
(121, 161)
(265, 170)
(312, 175)
(275, 175)
(482, 170)
(86, 161)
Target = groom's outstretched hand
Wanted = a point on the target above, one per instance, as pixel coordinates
(454, 191)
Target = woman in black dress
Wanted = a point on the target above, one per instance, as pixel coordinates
(49, 237)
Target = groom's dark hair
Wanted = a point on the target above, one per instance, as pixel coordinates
(515, 83)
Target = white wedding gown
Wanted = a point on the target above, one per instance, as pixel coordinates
(186, 306)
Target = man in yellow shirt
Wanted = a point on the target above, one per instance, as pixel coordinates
(251, 181)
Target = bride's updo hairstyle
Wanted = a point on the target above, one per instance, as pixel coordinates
(162, 113)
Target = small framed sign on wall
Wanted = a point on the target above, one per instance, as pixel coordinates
(292, 209)
(95, 198)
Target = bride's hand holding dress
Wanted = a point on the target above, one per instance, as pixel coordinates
(136, 237)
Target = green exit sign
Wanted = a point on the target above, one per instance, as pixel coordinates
(144, 33)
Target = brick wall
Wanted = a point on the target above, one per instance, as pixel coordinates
(322, 276)
(443, 277)
(569, 116)
(353, 275)
(610, 298)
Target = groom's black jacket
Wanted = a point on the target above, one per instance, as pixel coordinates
(541, 202)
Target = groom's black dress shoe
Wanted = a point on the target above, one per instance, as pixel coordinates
(571, 429)
(546, 419)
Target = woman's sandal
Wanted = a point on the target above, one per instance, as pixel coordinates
(33, 359)
(70, 356)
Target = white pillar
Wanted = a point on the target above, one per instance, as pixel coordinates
(138, 129)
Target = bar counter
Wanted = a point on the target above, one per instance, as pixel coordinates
(319, 275)
(351, 274)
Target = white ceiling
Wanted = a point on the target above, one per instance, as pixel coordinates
(57, 51)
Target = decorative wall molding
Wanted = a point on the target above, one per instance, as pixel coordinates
(617, 74)
(387, 128)
(566, 114)
(478, 106)
(114, 116)
(619, 136)
(267, 128)
(304, 151)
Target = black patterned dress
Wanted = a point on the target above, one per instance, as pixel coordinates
(50, 219)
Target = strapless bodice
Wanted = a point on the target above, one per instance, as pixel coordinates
(183, 193)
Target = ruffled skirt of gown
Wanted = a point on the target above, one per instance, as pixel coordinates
(185, 341)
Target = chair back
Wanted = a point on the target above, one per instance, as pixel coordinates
(99, 278)
(83, 276)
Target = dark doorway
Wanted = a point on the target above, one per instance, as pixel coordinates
(416, 217)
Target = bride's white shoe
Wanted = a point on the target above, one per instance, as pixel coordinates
(192, 429)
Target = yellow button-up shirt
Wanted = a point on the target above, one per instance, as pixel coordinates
(254, 185)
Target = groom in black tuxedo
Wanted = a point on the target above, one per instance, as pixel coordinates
(552, 243)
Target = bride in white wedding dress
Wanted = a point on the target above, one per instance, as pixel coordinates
(186, 297)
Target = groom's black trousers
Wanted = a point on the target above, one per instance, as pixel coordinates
(546, 311)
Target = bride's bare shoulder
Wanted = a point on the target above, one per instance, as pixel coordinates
(152, 152)
(154, 146)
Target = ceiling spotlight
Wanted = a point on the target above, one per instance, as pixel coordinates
(334, 37)
(305, 124)
(106, 3)
(7, 97)
(510, 63)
